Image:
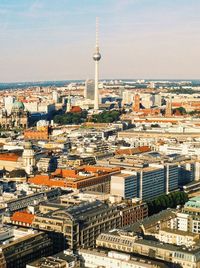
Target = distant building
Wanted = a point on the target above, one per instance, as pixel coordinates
(89, 89)
(8, 103)
(156, 99)
(168, 111)
(55, 96)
(127, 97)
(18, 118)
(34, 134)
(136, 103)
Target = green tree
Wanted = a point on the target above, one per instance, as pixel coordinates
(106, 117)
(70, 118)
(167, 201)
(181, 110)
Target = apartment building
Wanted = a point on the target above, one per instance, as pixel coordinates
(173, 254)
(23, 250)
(189, 218)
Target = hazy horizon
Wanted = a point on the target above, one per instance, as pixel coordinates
(46, 40)
(100, 80)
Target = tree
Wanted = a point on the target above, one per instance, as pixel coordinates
(162, 202)
(71, 118)
(106, 117)
(181, 110)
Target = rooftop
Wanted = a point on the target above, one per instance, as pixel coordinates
(193, 202)
(23, 216)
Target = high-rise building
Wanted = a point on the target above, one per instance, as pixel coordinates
(55, 96)
(89, 89)
(8, 103)
(68, 108)
(156, 100)
(146, 182)
(168, 111)
(96, 58)
(127, 97)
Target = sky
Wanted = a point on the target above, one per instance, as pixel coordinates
(54, 39)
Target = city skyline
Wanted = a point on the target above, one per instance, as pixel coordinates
(44, 40)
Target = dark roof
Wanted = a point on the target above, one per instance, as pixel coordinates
(152, 220)
(19, 173)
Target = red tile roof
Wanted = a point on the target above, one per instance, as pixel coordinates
(131, 151)
(9, 157)
(23, 217)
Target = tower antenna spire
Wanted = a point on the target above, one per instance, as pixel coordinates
(97, 32)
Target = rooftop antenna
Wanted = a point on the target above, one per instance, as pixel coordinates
(97, 32)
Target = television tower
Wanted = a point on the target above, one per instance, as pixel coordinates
(96, 58)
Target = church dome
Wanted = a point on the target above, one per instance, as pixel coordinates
(18, 105)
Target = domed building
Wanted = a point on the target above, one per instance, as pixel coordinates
(18, 106)
(17, 119)
(28, 157)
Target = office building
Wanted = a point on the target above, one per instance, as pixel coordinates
(145, 182)
(80, 224)
(89, 89)
(90, 178)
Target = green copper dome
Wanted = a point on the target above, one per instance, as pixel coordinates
(18, 105)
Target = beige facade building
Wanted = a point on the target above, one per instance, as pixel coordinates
(94, 258)
(177, 237)
(153, 249)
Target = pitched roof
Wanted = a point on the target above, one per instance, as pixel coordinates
(131, 151)
(9, 157)
(23, 216)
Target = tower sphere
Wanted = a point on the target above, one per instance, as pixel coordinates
(96, 56)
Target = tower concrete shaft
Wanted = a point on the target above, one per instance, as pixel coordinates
(96, 90)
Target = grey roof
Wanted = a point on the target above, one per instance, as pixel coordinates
(152, 220)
